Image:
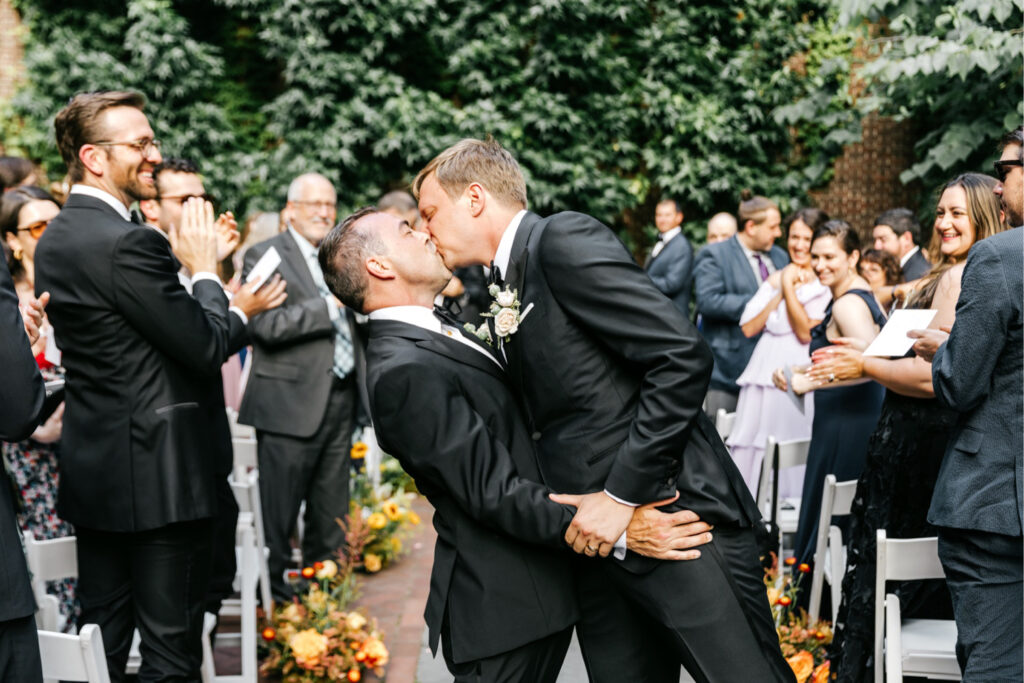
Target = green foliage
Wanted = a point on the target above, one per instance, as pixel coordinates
(953, 67)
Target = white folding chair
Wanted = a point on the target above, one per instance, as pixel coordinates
(239, 431)
(73, 658)
(724, 422)
(829, 551)
(248, 564)
(246, 488)
(780, 456)
(50, 560)
(913, 647)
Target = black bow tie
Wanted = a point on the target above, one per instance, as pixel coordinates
(495, 277)
(445, 316)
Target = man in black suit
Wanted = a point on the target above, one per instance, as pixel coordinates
(502, 605)
(978, 501)
(21, 400)
(898, 232)
(670, 263)
(726, 277)
(303, 389)
(611, 376)
(137, 463)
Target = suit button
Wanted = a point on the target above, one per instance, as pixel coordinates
(535, 436)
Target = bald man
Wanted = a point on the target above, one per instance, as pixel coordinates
(303, 389)
(721, 227)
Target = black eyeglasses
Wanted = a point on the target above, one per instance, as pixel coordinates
(1003, 167)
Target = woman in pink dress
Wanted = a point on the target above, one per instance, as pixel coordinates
(785, 308)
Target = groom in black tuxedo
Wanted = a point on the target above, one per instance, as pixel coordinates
(502, 603)
(611, 377)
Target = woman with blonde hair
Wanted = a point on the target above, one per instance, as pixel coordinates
(908, 444)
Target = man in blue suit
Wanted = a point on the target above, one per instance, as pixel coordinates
(727, 276)
(670, 263)
(978, 499)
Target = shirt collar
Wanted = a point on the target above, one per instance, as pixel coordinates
(504, 252)
(751, 254)
(104, 196)
(420, 316)
(906, 257)
(669, 234)
(305, 246)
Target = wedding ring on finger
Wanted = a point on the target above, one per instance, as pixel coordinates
(591, 549)
(831, 377)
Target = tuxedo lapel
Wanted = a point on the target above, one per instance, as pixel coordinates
(450, 348)
(741, 265)
(516, 279)
(291, 255)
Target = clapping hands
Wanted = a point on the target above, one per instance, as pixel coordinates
(195, 241)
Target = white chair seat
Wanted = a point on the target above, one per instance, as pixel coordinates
(929, 647)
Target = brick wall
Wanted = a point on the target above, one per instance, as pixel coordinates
(10, 49)
(866, 180)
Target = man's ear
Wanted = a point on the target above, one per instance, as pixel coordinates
(477, 198)
(93, 158)
(379, 268)
(150, 209)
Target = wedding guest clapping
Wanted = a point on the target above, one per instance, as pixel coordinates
(906, 449)
(844, 417)
(785, 308)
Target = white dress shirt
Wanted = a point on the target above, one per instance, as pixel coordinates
(664, 239)
(424, 317)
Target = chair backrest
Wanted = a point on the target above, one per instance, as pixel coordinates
(243, 451)
(50, 560)
(74, 658)
(902, 559)
(724, 422)
(836, 500)
(787, 454)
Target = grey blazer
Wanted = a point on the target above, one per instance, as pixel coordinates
(724, 283)
(978, 372)
(671, 271)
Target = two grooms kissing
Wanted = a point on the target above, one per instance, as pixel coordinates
(591, 384)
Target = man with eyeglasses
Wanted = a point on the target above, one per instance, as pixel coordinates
(138, 451)
(303, 389)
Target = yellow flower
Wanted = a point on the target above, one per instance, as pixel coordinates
(412, 517)
(377, 521)
(294, 613)
(392, 510)
(396, 544)
(773, 595)
(372, 562)
(358, 451)
(355, 621)
(328, 571)
(376, 653)
(308, 646)
(316, 599)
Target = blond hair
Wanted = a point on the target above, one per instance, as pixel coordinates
(476, 161)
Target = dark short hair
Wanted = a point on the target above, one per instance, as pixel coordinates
(77, 125)
(812, 217)
(673, 202)
(11, 203)
(886, 261)
(843, 233)
(901, 221)
(1013, 137)
(173, 165)
(342, 253)
(13, 170)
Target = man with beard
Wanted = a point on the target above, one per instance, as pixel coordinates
(303, 389)
(137, 455)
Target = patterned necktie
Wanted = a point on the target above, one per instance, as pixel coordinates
(762, 267)
(344, 358)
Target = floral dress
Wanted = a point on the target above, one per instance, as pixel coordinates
(33, 467)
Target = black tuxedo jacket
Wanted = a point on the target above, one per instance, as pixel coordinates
(724, 282)
(611, 376)
(979, 373)
(916, 267)
(21, 400)
(671, 271)
(137, 451)
(293, 351)
(445, 411)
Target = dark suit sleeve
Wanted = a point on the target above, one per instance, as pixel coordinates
(193, 330)
(599, 286)
(21, 391)
(428, 424)
(962, 367)
(676, 277)
(291, 322)
(713, 298)
(238, 334)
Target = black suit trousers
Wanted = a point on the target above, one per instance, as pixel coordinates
(316, 470)
(154, 580)
(681, 613)
(224, 567)
(19, 650)
(986, 582)
(539, 661)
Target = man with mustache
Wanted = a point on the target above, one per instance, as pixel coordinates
(303, 388)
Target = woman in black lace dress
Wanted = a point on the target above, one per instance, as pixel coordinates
(906, 449)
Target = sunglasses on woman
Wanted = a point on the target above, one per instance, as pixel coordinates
(35, 229)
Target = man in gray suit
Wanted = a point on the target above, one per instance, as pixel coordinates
(727, 276)
(978, 497)
(670, 263)
(303, 389)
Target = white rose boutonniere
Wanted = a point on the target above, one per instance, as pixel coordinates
(505, 311)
